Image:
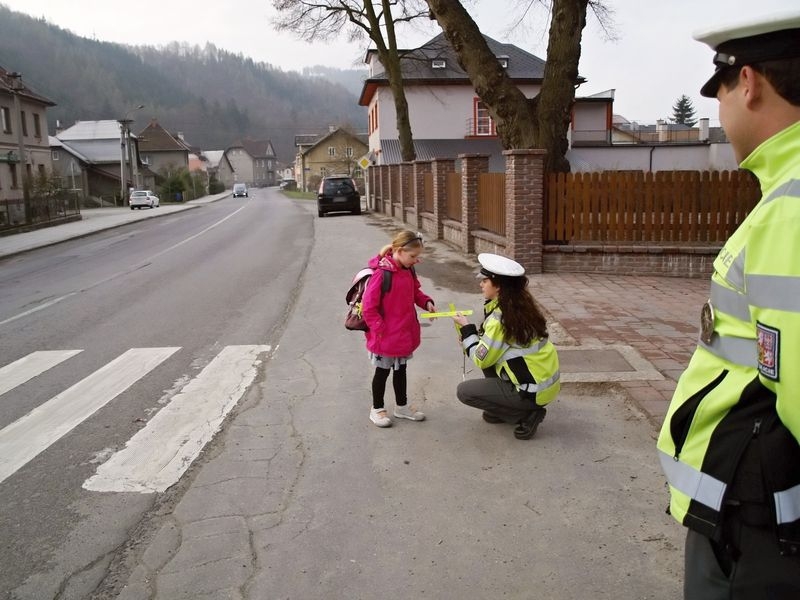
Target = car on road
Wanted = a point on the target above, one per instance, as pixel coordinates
(288, 184)
(239, 189)
(338, 193)
(141, 198)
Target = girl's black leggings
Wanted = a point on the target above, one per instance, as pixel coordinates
(398, 383)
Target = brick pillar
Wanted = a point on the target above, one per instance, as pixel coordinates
(385, 192)
(369, 179)
(421, 168)
(406, 192)
(440, 168)
(525, 181)
(472, 165)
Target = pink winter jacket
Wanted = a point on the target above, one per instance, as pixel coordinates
(393, 325)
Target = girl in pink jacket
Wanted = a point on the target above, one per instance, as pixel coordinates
(391, 316)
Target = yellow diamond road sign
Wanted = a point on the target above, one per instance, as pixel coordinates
(363, 162)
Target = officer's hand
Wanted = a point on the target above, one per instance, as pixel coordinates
(460, 319)
(430, 307)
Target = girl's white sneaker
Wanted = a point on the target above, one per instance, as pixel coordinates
(407, 412)
(379, 417)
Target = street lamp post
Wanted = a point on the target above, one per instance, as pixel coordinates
(124, 143)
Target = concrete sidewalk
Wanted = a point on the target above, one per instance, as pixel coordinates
(92, 221)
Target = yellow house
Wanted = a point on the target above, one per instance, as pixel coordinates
(334, 153)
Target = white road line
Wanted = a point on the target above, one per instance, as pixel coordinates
(38, 308)
(157, 456)
(26, 437)
(30, 366)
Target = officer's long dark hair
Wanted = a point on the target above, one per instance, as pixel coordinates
(522, 318)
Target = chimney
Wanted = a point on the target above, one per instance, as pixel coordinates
(180, 136)
(662, 130)
(703, 134)
(331, 128)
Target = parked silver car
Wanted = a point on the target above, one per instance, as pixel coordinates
(140, 198)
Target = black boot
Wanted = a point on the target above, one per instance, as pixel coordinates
(526, 428)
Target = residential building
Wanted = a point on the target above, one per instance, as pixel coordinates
(162, 151)
(24, 147)
(447, 116)
(92, 155)
(252, 162)
(335, 152)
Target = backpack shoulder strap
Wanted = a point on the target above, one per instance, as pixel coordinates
(386, 284)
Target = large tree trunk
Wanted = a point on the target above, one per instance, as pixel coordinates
(541, 122)
(560, 74)
(513, 113)
(392, 65)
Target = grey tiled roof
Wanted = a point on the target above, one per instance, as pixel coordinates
(417, 64)
(430, 149)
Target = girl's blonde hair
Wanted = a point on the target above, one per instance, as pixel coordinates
(404, 239)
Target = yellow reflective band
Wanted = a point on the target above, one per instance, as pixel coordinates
(447, 313)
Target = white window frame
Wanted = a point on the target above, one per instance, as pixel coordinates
(5, 116)
(331, 150)
(348, 151)
(438, 63)
(54, 155)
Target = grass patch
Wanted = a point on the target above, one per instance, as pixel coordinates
(297, 195)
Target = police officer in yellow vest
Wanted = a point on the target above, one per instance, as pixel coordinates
(729, 444)
(512, 348)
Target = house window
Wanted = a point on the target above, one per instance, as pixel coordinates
(331, 151)
(438, 63)
(54, 155)
(269, 164)
(503, 60)
(6, 118)
(42, 172)
(484, 125)
(24, 123)
(348, 151)
(14, 181)
(323, 171)
(37, 125)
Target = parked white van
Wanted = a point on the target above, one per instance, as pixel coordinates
(239, 189)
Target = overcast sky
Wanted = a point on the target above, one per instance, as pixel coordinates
(653, 61)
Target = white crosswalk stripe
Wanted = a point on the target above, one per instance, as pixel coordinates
(30, 366)
(157, 456)
(25, 438)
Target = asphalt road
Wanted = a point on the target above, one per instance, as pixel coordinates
(96, 336)
(299, 495)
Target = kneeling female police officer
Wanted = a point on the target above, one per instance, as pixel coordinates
(512, 348)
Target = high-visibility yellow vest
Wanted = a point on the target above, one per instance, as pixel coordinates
(533, 369)
(744, 377)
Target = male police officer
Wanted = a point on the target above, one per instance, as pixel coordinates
(729, 443)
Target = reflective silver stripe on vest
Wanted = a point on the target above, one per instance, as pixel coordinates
(470, 340)
(774, 291)
(514, 352)
(729, 302)
(542, 385)
(740, 351)
(791, 189)
(491, 343)
(787, 505)
(735, 275)
(697, 485)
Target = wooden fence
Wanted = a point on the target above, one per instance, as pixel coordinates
(427, 190)
(633, 206)
(491, 202)
(453, 195)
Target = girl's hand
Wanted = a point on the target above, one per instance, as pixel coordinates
(460, 319)
(430, 307)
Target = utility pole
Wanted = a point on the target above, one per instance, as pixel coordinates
(124, 149)
(16, 88)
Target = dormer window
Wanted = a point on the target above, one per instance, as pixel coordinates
(503, 60)
(438, 63)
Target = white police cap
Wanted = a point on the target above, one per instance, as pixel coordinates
(494, 264)
(773, 37)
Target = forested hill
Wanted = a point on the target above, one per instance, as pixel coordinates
(213, 96)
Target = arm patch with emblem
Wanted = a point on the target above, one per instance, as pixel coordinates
(769, 340)
(481, 352)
